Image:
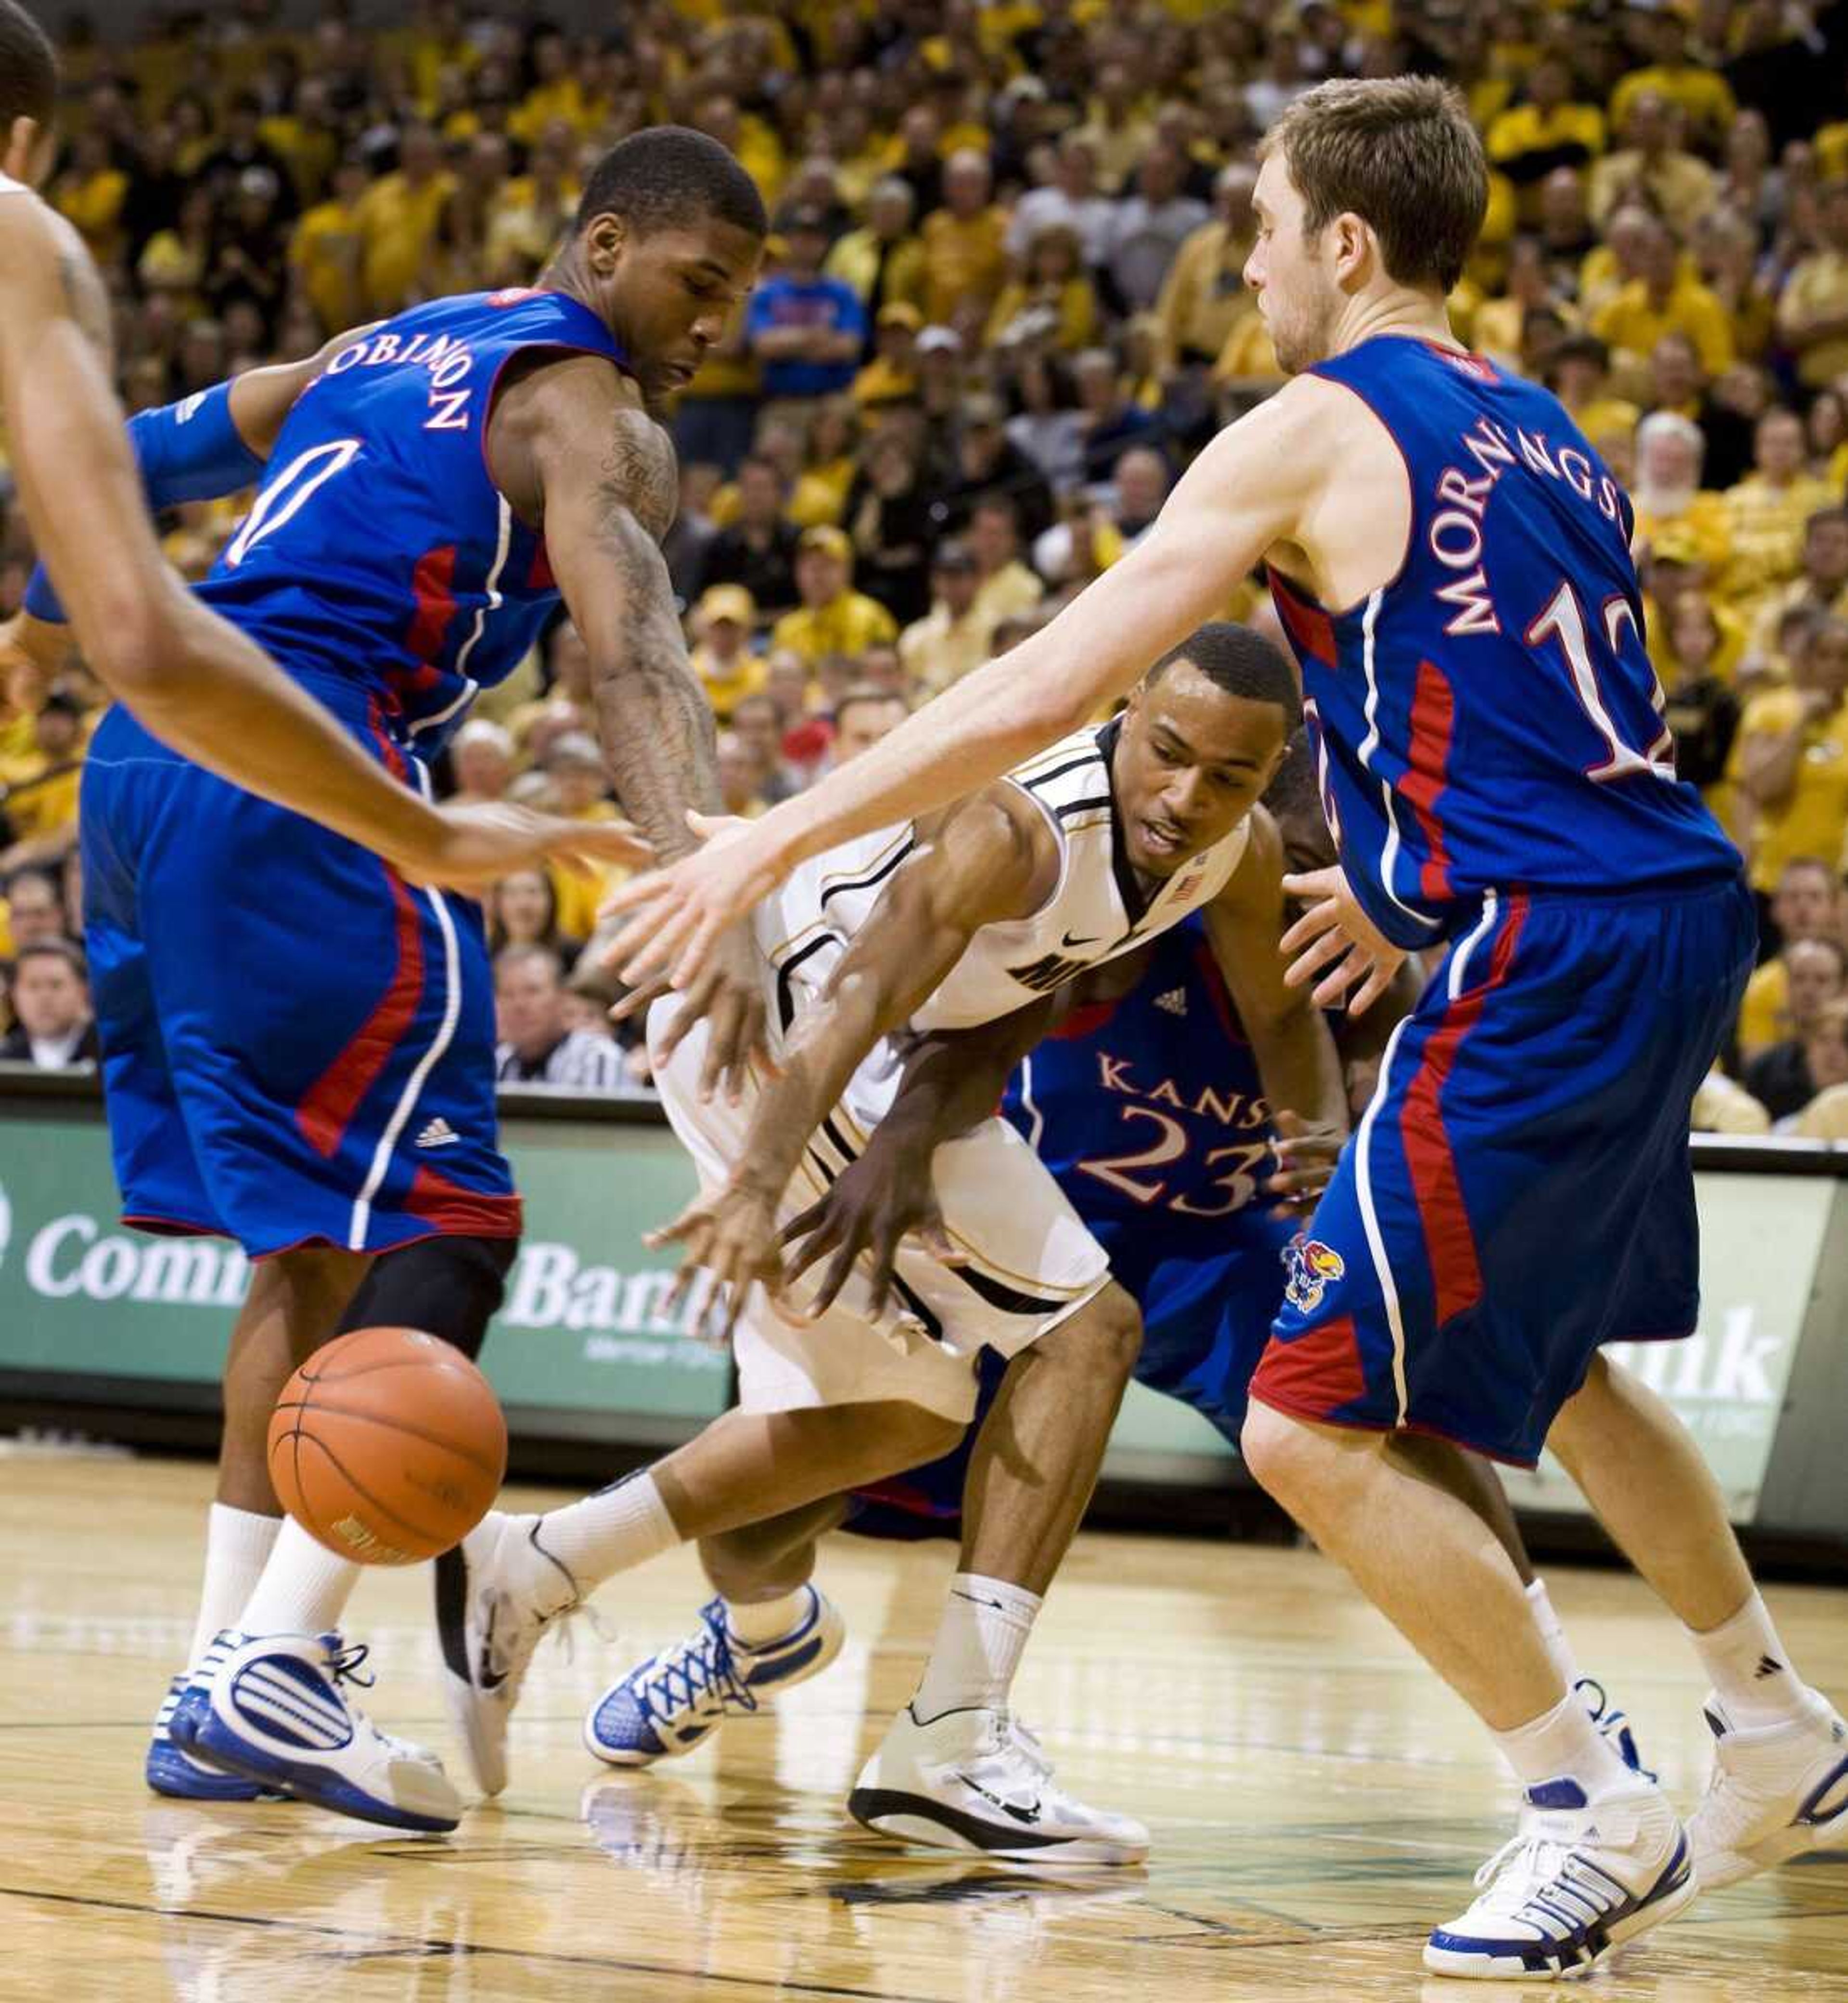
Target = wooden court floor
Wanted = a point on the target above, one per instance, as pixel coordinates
(1316, 1802)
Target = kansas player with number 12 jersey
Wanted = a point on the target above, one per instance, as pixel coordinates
(1453, 566)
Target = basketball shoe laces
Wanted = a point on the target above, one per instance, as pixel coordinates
(1008, 1747)
(1526, 1878)
(695, 1674)
(344, 1661)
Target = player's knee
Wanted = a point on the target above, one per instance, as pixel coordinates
(915, 1434)
(1281, 1453)
(1104, 1338)
(448, 1287)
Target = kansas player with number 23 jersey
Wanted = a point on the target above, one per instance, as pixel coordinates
(1452, 563)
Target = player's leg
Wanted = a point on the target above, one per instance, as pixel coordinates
(956, 1769)
(1432, 1292)
(765, 1629)
(1779, 1783)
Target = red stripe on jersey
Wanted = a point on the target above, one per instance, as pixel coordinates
(390, 755)
(1307, 625)
(1433, 717)
(540, 577)
(327, 1109)
(1449, 1244)
(1206, 963)
(1081, 1021)
(1312, 1373)
(459, 1212)
(431, 585)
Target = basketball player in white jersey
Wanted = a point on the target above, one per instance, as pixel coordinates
(1370, 197)
(1083, 853)
(203, 687)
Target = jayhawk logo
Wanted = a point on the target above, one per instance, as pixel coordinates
(1311, 1265)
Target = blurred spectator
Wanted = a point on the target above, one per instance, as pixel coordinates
(1581, 378)
(882, 261)
(1806, 904)
(1665, 299)
(1812, 312)
(38, 789)
(727, 670)
(965, 260)
(806, 331)
(33, 912)
(890, 521)
(759, 550)
(481, 758)
(757, 724)
(1652, 167)
(738, 770)
(522, 909)
(1721, 1107)
(1787, 1076)
(1766, 514)
(537, 1044)
(1204, 293)
(953, 638)
(1548, 130)
(1005, 586)
(1702, 711)
(1071, 199)
(1054, 301)
(1150, 227)
(399, 216)
(1791, 764)
(1704, 99)
(1667, 493)
(863, 716)
(1821, 586)
(53, 1028)
(833, 618)
(988, 461)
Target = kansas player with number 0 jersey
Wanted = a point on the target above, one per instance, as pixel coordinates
(298, 1042)
(1452, 561)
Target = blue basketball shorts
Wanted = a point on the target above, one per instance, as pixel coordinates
(1206, 1319)
(298, 1046)
(1519, 1190)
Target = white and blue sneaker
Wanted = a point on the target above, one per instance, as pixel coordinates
(978, 1780)
(273, 1709)
(1776, 1792)
(172, 1772)
(1578, 1881)
(1613, 1724)
(497, 1592)
(666, 1705)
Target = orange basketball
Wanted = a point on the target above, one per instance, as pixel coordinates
(387, 1446)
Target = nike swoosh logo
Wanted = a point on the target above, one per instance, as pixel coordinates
(1089, 939)
(1029, 1815)
(488, 1678)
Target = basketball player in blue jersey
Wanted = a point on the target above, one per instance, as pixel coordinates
(204, 687)
(1452, 561)
(438, 484)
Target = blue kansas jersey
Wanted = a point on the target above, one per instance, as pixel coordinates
(379, 552)
(1149, 1112)
(1489, 719)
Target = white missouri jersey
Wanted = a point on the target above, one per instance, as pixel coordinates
(1097, 908)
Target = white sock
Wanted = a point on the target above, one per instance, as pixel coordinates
(978, 1645)
(1562, 1744)
(754, 1622)
(1559, 1649)
(304, 1589)
(1750, 1672)
(238, 1542)
(609, 1531)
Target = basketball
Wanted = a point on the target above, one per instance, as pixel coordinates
(388, 1446)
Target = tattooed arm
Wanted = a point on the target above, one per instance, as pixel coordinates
(578, 457)
(193, 679)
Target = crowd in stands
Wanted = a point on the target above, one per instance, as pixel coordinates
(1003, 309)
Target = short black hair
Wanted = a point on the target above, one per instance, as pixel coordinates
(63, 950)
(28, 69)
(1242, 663)
(669, 177)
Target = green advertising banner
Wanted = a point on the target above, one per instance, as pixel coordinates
(585, 1340)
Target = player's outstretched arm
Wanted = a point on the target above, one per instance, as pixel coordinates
(953, 1079)
(572, 443)
(983, 862)
(1248, 491)
(1295, 1055)
(197, 684)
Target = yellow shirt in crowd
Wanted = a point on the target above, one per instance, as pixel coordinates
(398, 223)
(844, 625)
(1810, 819)
(1632, 321)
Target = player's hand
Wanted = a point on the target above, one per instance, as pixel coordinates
(1306, 1151)
(727, 994)
(467, 847)
(673, 917)
(730, 1234)
(1337, 941)
(886, 1195)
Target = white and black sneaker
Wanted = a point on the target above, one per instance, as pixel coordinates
(1576, 1882)
(978, 1780)
(497, 1592)
(1776, 1792)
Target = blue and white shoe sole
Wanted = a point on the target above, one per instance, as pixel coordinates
(199, 1731)
(172, 1773)
(1551, 1961)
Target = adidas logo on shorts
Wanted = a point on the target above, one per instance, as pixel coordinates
(1175, 1001)
(437, 1133)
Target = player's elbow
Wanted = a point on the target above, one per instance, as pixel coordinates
(134, 647)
